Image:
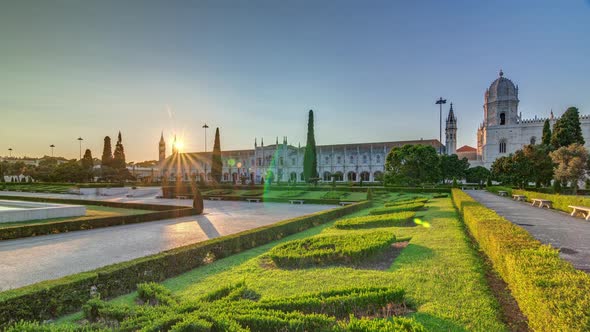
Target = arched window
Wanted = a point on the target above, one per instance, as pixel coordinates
(503, 146)
(338, 176)
(327, 176)
(351, 176)
(502, 118)
(293, 176)
(302, 177)
(533, 140)
(365, 176)
(225, 176)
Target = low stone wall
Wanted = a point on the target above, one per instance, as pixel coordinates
(37, 211)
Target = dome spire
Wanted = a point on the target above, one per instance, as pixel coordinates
(501, 72)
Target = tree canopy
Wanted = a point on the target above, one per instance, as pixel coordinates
(546, 133)
(452, 167)
(412, 165)
(567, 130)
(572, 164)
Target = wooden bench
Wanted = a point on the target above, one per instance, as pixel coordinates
(181, 197)
(255, 200)
(345, 203)
(502, 193)
(585, 211)
(521, 198)
(542, 202)
(215, 198)
(296, 201)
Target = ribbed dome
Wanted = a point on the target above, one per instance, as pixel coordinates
(502, 89)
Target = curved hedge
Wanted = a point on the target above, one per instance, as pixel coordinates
(397, 208)
(550, 291)
(331, 249)
(384, 220)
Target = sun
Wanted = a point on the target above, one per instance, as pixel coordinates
(179, 145)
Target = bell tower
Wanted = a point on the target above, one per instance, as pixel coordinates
(162, 148)
(451, 132)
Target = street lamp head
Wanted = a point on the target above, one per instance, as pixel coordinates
(205, 126)
(441, 101)
(80, 139)
(52, 146)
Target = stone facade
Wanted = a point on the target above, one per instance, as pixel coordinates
(503, 130)
(284, 162)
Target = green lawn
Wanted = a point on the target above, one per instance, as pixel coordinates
(92, 212)
(37, 187)
(442, 275)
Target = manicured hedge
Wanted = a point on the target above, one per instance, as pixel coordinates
(27, 230)
(423, 200)
(397, 208)
(331, 249)
(233, 309)
(550, 291)
(52, 298)
(559, 202)
(385, 220)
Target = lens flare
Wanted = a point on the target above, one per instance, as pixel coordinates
(425, 224)
(179, 145)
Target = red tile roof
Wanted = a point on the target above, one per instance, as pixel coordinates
(466, 148)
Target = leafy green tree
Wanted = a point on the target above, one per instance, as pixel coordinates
(546, 133)
(88, 163)
(216, 163)
(107, 154)
(412, 165)
(501, 170)
(521, 169)
(541, 165)
(310, 163)
(567, 129)
(452, 167)
(478, 174)
(572, 164)
(70, 171)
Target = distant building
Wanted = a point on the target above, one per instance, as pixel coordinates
(467, 152)
(284, 162)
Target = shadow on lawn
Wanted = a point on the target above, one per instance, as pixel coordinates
(410, 255)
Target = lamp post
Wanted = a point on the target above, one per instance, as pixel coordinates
(10, 152)
(440, 102)
(205, 126)
(52, 146)
(80, 139)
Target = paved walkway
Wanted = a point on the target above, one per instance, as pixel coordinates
(570, 235)
(29, 260)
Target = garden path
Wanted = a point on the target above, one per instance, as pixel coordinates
(30, 260)
(569, 234)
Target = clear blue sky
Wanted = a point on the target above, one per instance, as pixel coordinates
(371, 70)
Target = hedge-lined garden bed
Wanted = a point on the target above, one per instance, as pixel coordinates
(26, 230)
(397, 208)
(238, 308)
(385, 220)
(330, 250)
(49, 299)
(550, 291)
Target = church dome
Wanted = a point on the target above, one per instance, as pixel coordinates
(502, 89)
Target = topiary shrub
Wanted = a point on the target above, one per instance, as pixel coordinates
(198, 201)
(385, 220)
(330, 249)
(397, 208)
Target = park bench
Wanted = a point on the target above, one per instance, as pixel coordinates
(255, 200)
(345, 203)
(585, 211)
(296, 201)
(502, 193)
(215, 198)
(542, 202)
(181, 197)
(521, 198)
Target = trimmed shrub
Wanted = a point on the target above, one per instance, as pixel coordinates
(406, 202)
(440, 196)
(331, 249)
(397, 208)
(385, 220)
(550, 291)
(394, 324)
(154, 294)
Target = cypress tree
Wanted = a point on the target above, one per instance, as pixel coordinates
(547, 133)
(310, 162)
(216, 164)
(107, 155)
(87, 161)
(567, 129)
(119, 155)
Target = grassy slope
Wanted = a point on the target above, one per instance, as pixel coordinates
(441, 274)
(92, 211)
